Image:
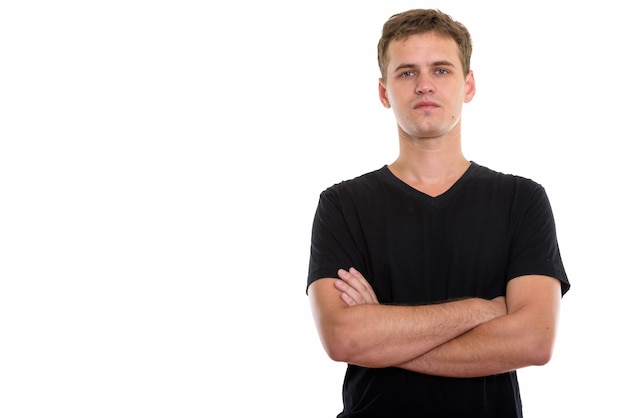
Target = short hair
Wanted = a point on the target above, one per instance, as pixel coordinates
(402, 25)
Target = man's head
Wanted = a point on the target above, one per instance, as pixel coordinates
(418, 21)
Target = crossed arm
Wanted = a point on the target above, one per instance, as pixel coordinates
(463, 338)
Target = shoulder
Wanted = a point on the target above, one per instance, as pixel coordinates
(364, 183)
(358, 194)
(484, 176)
(508, 191)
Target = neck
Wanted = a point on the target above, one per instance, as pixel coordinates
(431, 165)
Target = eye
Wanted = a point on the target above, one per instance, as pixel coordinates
(406, 74)
(441, 71)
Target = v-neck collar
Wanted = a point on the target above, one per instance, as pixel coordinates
(426, 198)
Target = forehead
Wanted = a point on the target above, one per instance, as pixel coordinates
(424, 48)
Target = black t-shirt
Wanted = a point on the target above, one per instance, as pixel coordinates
(487, 229)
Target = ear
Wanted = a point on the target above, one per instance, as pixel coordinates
(470, 87)
(382, 93)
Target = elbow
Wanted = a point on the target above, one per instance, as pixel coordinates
(540, 351)
(338, 337)
(336, 352)
(337, 347)
(542, 356)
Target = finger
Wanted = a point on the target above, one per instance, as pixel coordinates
(363, 281)
(348, 293)
(364, 286)
(356, 287)
(347, 299)
(354, 279)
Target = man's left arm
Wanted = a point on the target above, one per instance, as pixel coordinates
(525, 336)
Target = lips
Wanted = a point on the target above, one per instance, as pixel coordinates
(425, 105)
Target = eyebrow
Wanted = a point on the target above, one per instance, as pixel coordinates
(441, 63)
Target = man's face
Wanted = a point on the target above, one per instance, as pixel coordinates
(425, 85)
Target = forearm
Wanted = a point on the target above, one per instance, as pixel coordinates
(398, 333)
(519, 339)
(482, 351)
(374, 335)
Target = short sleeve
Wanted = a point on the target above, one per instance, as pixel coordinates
(535, 249)
(332, 243)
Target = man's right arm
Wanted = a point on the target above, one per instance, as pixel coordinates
(374, 335)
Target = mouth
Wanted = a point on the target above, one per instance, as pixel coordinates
(425, 105)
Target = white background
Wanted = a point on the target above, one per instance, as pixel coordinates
(160, 163)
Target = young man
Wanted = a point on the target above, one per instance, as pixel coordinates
(433, 278)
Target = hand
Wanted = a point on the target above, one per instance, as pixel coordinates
(355, 290)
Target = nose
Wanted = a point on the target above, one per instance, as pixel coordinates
(424, 85)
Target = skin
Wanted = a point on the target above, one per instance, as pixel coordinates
(426, 89)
